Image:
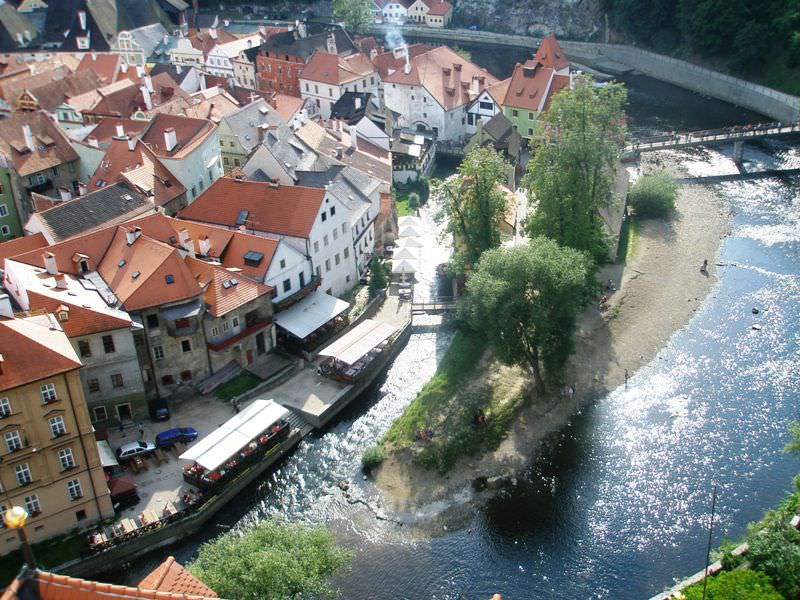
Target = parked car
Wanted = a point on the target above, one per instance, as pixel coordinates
(134, 449)
(170, 437)
(159, 411)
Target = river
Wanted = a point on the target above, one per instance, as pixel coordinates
(618, 504)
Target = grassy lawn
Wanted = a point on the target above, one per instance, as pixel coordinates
(402, 207)
(238, 385)
(462, 385)
(48, 554)
(628, 238)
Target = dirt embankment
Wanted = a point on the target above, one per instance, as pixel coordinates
(659, 289)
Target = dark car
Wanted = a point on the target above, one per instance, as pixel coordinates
(170, 437)
(159, 411)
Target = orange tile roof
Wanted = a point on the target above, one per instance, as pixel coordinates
(559, 83)
(218, 237)
(438, 7)
(105, 64)
(106, 129)
(51, 147)
(446, 75)
(219, 298)
(189, 132)
(170, 576)
(32, 352)
(92, 245)
(386, 61)
(50, 586)
(11, 88)
(529, 84)
(139, 167)
(287, 106)
(156, 264)
(202, 40)
(498, 90)
(240, 244)
(285, 210)
(550, 54)
(21, 245)
(82, 320)
(123, 101)
(51, 94)
(337, 70)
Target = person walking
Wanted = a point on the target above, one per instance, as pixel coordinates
(141, 431)
(626, 378)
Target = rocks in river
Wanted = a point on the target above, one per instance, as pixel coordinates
(755, 311)
(492, 483)
(479, 483)
(344, 485)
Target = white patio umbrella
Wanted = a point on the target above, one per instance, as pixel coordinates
(404, 267)
(407, 252)
(410, 231)
(410, 220)
(407, 242)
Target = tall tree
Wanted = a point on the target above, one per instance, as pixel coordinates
(571, 174)
(474, 204)
(356, 14)
(525, 300)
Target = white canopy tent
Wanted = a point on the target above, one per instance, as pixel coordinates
(311, 313)
(409, 231)
(357, 342)
(404, 266)
(236, 433)
(107, 458)
(408, 242)
(410, 220)
(406, 252)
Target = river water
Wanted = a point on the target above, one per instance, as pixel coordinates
(618, 505)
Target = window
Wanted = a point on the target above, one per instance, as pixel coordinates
(186, 375)
(57, 427)
(23, 472)
(344, 227)
(182, 323)
(237, 162)
(283, 263)
(167, 380)
(333, 210)
(152, 321)
(226, 326)
(48, 393)
(158, 352)
(486, 105)
(74, 489)
(319, 272)
(186, 345)
(225, 161)
(93, 384)
(347, 278)
(316, 247)
(306, 87)
(324, 216)
(32, 505)
(316, 89)
(13, 441)
(347, 253)
(3, 210)
(531, 116)
(100, 413)
(214, 332)
(325, 240)
(116, 380)
(5, 230)
(108, 344)
(327, 264)
(5, 407)
(235, 321)
(80, 515)
(335, 234)
(302, 279)
(84, 348)
(530, 131)
(230, 144)
(514, 112)
(66, 459)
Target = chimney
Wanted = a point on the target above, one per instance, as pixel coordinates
(357, 103)
(205, 246)
(139, 71)
(407, 65)
(5, 310)
(373, 54)
(131, 144)
(92, 141)
(64, 194)
(301, 30)
(183, 236)
(170, 139)
(82, 188)
(178, 69)
(28, 35)
(148, 102)
(148, 81)
(120, 130)
(330, 44)
(353, 138)
(226, 22)
(20, 39)
(133, 235)
(94, 56)
(26, 133)
(262, 130)
(212, 32)
(123, 68)
(61, 281)
(274, 182)
(82, 18)
(202, 81)
(339, 151)
(50, 263)
(474, 85)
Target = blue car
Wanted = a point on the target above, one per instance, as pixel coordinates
(170, 437)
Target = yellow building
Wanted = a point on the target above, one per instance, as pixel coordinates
(49, 463)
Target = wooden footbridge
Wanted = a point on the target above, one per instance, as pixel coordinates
(437, 305)
(738, 135)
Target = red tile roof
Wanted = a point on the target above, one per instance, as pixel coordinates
(106, 129)
(106, 65)
(529, 85)
(92, 245)
(438, 7)
(241, 244)
(550, 54)
(51, 148)
(284, 210)
(189, 132)
(337, 70)
(21, 245)
(287, 106)
(48, 96)
(82, 320)
(222, 298)
(559, 83)
(125, 100)
(446, 75)
(32, 352)
(386, 61)
(170, 576)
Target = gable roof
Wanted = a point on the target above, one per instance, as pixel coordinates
(498, 90)
(291, 43)
(104, 64)
(51, 148)
(438, 7)
(170, 576)
(32, 352)
(550, 54)
(213, 104)
(282, 210)
(21, 245)
(246, 122)
(189, 132)
(288, 150)
(224, 291)
(52, 94)
(83, 319)
(334, 69)
(393, 60)
(446, 75)
(242, 243)
(530, 83)
(106, 130)
(110, 205)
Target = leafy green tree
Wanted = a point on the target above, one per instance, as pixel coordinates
(794, 445)
(571, 174)
(272, 561)
(356, 14)
(654, 195)
(774, 549)
(525, 301)
(741, 584)
(474, 205)
(377, 280)
(413, 201)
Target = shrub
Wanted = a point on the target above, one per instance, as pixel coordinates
(775, 551)
(741, 584)
(371, 458)
(378, 279)
(654, 195)
(413, 201)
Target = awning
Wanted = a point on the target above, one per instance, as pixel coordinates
(221, 444)
(357, 342)
(107, 458)
(311, 313)
(181, 311)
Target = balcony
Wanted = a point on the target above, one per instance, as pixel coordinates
(257, 326)
(298, 295)
(40, 188)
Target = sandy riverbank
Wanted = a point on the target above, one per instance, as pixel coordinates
(659, 289)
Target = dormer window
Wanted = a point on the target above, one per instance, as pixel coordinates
(169, 279)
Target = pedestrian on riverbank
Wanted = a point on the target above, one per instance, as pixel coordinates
(626, 378)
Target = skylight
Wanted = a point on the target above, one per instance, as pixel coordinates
(169, 278)
(135, 274)
(253, 258)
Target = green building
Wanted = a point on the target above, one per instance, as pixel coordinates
(10, 226)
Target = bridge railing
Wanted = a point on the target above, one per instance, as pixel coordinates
(726, 133)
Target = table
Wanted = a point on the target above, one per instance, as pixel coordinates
(98, 538)
(169, 509)
(147, 517)
(127, 525)
(160, 457)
